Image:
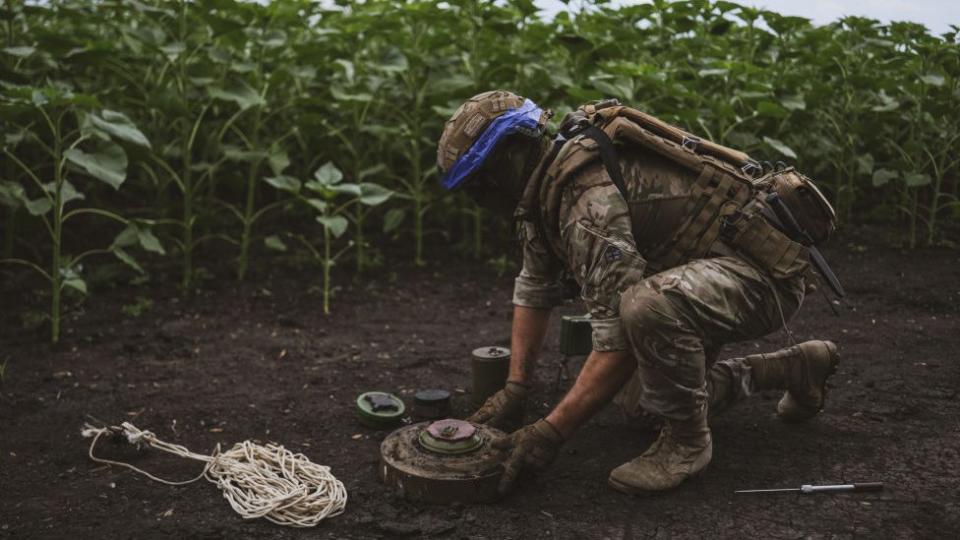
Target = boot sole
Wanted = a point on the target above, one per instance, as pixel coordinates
(834, 362)
(633, 490)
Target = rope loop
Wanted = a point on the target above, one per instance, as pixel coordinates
(259, 481)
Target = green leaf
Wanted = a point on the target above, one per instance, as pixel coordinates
(793, 103)
(328, 174)
(317, 204)
(612, 90)
(779, 146)
(108, 164)
(243, 67)
(138, 234)
(347, 66)
(865, 164)
(149, 242)
(370, 171)
(274, 38)
(11, 194)
(20, 52)
(38, 207)
(394, 61)
(393, 219)
(235, 153)
(275, 243)
(120, 126)
(238, 92)
(67, 191)
(337, 225)
(933, 79)
(173, 50)
(119, 253)
(201, 81)
(126, 238)
(306, 73)
(882, 176)
(278, 159)
(771, 109)
(322, 190)
(347, 188)
(916, 179)
(887, 103)
(340, 94)
(13, 139)
(713, 72)
(218, 55)
(373, 194)
(450, 83)
(284, 183)
(75, 283)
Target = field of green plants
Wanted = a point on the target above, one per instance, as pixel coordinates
(140, 133)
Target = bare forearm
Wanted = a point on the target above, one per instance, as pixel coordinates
(529, 330)
(602, 376)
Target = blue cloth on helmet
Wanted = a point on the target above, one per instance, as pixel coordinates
(526, 116)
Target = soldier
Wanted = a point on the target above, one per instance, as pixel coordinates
(668, 262)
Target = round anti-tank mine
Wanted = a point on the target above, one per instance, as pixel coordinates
(445, 461)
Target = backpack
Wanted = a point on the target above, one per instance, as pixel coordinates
(730, 200)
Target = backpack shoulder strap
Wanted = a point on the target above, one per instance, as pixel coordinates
(608, 153)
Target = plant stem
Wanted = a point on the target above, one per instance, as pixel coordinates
(250, 208)
(361, 253)
(186, 176)
(326, 271)
(11, 219)
(418, 196)
(55, 276)
(418, 230)
(914, 202)
(8, 228)
(242, 262)
(187, 280)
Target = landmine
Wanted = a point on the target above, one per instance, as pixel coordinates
(445, 461)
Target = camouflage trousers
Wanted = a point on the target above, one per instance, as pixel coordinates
(677, 320)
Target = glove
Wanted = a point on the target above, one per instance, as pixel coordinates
(503, 410)
(533, 448)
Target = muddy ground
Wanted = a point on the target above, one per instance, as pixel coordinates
(261, 361)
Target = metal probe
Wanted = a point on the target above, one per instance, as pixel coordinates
(808, 488)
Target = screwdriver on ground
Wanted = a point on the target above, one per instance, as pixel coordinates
(834, 488)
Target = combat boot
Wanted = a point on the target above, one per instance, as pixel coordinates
(801, 370)
(682, 451)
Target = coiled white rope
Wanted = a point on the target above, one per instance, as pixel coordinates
(265, 481)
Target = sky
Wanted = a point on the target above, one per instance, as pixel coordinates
(937, 15)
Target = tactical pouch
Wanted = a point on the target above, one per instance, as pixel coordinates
(752, 235)
(809, 207)
(717, 195)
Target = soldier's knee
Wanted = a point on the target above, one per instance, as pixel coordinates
(643, 307)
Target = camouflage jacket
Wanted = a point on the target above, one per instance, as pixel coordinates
(596, 232)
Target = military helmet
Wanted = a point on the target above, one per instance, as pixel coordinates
(474, 130)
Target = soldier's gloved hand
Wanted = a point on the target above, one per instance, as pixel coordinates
(532, 447)
(503, 410)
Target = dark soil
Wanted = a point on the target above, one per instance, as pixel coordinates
(261, 361)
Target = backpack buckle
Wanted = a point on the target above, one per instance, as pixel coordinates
(573, 125)
(603, 104)
(729, 227)
(690, 142)
(752, 169)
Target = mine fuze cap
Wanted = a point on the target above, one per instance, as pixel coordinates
(475, 129)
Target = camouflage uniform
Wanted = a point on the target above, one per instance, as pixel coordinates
(672, 321)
